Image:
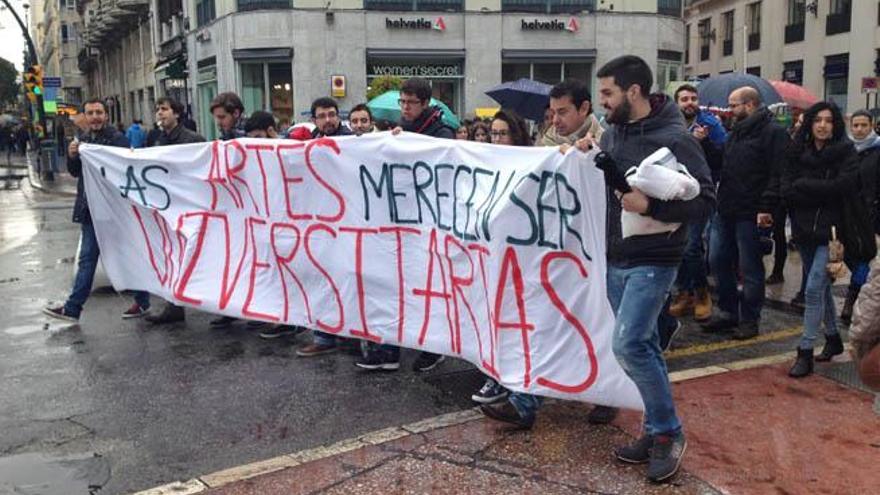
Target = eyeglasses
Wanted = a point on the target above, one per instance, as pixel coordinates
(403, 102)
(499, 134)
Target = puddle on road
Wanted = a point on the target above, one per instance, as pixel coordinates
(38, 474)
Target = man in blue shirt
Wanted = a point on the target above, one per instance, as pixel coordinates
(136, 135)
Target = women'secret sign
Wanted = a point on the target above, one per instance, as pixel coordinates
(493, 254)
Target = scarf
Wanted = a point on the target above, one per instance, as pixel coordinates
(870, 141)
(551, 138)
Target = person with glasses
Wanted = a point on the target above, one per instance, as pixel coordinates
(325, 116)
(416, 115)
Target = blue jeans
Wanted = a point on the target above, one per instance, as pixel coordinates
(637, 296)
(818, 302)
(692, 274)
(734, 244)
(85, 274)
(323, 338)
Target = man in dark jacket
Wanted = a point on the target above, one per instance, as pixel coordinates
(416, 113)
(325, 116)
(747, 196)
(168, 115)
(228, 112)
(99, 132)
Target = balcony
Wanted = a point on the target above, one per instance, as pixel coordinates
(727, 48)
(794, 33)
(837, 23)
(86, 60)
(133, 4)
(754, 41)
(245, 5)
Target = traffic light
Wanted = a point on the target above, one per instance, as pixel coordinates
(38, 78)
(33, 81)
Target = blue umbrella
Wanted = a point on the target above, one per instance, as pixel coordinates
(714, 91)
(524, 96)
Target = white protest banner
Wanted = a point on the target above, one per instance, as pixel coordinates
(493, 254)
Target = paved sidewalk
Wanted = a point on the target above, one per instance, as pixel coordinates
(750, 431)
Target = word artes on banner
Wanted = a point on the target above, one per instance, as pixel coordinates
(492, 254)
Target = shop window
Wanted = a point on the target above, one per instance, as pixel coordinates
(445, 76)
(206, 84)
(548, 72)
(548, 6)
(269, 87)
(415, 5)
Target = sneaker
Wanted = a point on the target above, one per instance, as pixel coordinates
(490, 392)
(378, 361)
(666, 336)
(746, 330)
(602, 415)
(315, 350)
(666, 455)
(638, 452)
(799, 301)
(506, 413)
(135, 311)
(60, 313)
(428, 361)
(222, 322)
(276, 331)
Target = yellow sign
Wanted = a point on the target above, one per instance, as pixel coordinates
(337, 86)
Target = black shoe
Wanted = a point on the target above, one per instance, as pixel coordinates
(746, 330)
(799, 301)
(638, 452)
(719, 324)
(276, 331)
(803, 365)
(490, 392)
(602, 415)
(505, 412)
(222, 322)
(667, 335)
(833, 347)
(170, 314)
(256, 324)
(666, 455)
(427, 361)
(847, 312)
(775, 279)
(378, 361)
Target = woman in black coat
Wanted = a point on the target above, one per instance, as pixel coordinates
(821, 169)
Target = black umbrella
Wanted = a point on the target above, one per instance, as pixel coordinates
(715, 90)
(524, 96)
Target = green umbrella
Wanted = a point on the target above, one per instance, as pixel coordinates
(386, 107)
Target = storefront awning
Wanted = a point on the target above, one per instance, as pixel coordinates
(555, 54)
(262, 53)
(413, 54)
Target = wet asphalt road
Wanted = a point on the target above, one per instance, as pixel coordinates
(120, 406)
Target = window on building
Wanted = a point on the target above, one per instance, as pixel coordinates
(836, 74)
(67, 4)
(269, 87)
(704, 29)
(244, 5)
(415, 5)
(839, 17)
(687, 44)
(793, 72)
(753, 19)
(669, 7)
(669, 68)
(549, 72)
(755, 71)
(205, 12)
(65, 34)
(727, 30)
(546, 6)
(794, 26)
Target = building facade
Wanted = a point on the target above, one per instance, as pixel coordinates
(56, 26)
(279, 55)
(827, 46)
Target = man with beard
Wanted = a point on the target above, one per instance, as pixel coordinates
(361, 119)
(693, 288)
(325, 116)
(747, 196)
(228, 112)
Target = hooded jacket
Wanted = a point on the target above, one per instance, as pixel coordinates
(429, 123)
(813, 185)
(107, 136)
(753, 158)
(629, 144)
